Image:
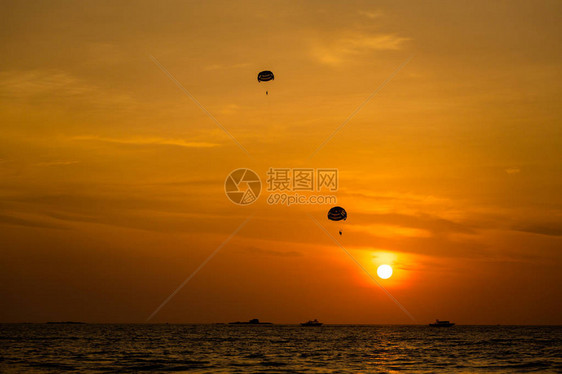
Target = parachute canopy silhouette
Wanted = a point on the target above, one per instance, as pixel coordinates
(337, 213)
(265, 76)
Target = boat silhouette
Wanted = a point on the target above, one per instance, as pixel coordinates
(438, 323)
(254, 321)
(312, 323)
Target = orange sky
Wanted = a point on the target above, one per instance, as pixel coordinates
(111, 178)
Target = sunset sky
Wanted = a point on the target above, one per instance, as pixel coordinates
(112, 178)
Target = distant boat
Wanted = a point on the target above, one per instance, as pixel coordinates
(312, 323)
(254, 321)
(441, 324)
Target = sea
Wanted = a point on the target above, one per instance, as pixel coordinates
(147, 348)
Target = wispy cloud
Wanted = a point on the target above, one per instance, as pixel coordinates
(38, 82)
(147, 141)
(392, 231)
(512, 170)
(227, 66)
(353, 45)
(50, 85)
(270, 252)
(541, 229)
(230, 109)
(371, 14)
(418, 225)
(57, 163)
(25, 222)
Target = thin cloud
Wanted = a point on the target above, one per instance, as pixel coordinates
(512, 170)
(147, 141)
(226, 67)
(371, 14)
(422, 223)
(392, 231)
(17, 221)
(57, 86)
(270, 252)
(541, 229)
(230, 109)
(57, 163)
(335, 52)
(37, 82)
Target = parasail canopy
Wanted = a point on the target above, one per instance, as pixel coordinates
(265, 76)
(337, 213)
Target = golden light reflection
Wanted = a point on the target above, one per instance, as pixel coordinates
(392, 231)
(400, 264)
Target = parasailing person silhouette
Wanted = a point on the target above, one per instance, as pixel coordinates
(265, 76)
(337, 214)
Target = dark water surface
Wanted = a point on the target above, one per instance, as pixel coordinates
(45, 348)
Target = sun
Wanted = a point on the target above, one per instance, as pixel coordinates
(384, 271)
